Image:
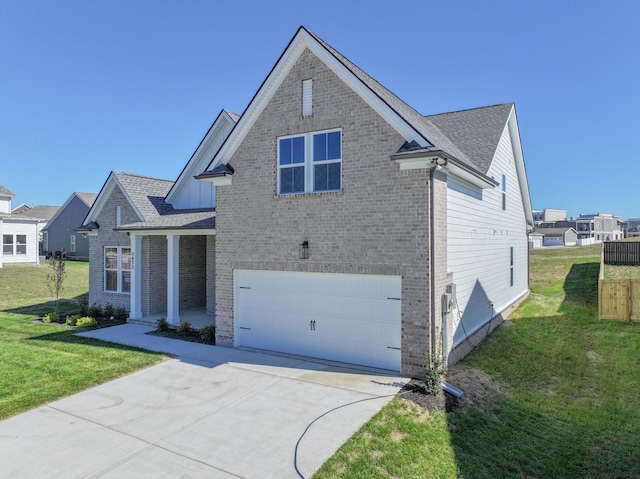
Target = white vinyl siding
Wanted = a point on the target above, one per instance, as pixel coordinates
(480, 235)
(25, 238)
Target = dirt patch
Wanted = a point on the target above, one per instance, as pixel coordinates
(479, 391)
(594, 358)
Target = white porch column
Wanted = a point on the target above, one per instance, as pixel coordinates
(135, 311)
(173, 279)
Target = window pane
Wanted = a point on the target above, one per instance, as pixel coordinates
(298, 149)
(126, 258)
(320, 147)
(111, 281)
(286, 183)
(7, 249)
(111, 258)
(21, 239)
(21, 249)
(285, 151)
(298, 179)
(292, 180)
(333, 180)
(333, 145)
(126, 281)
(320, 177)
(7, 239)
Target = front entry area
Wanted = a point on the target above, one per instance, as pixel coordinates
(351, 318)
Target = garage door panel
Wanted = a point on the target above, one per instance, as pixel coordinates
(344, 317)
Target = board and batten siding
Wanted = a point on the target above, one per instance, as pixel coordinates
(480, 235)
(202, 194)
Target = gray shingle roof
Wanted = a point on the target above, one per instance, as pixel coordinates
(146, 193)
(6, 192)
(420, 123)
(88, 198)
(234, 116)
(476, 132)
(40, 212)
(196, 218)
(553, 231)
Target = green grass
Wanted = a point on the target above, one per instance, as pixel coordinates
(553, 393)
(39, 362)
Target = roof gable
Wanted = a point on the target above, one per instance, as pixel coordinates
(179, 195)
(6, 192)
(87, 198)
(410, 124)
(144, 194)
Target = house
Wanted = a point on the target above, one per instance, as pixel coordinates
(591, 228)
(59, 236)
(339, 222)
(562, 236)
(549, 215)
(21, 232)
(631, 227)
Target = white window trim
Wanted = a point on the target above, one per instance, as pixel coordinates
(16, 244)
(119, 269)
(72, 246)
(13, 244)
(308, 162)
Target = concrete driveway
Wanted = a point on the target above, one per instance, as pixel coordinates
(211, 412)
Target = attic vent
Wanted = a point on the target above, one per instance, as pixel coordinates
(307, 98)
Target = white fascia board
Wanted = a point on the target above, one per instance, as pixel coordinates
(514, 133)
(448, 166)
(288, 59)
(188, 172)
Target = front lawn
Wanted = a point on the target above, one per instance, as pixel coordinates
(553, 393)
(39, 362)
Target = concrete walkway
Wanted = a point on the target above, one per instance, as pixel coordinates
(211, 412)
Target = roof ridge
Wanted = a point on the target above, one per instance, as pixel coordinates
(510, 103)
(142, 176)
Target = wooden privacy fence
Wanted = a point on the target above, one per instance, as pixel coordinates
(619, 299)
(622, 253)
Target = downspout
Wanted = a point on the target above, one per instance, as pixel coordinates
(432, 257)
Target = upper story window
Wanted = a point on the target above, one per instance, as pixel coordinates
(504, 192)
(310, 163)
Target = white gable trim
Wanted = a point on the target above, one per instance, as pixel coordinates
(223, 121)
(302, 40)
(111, 183)
(514, 131)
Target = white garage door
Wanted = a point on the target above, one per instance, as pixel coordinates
(342, 317)
(553, 241)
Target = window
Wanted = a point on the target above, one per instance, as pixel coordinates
(73, 244)
(504, 193)
(117, 269)
(511, 267)
(7, 244)
(310, 163)
(21, 244)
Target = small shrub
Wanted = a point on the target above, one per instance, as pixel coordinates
(434, 368)
(162, 325)
(84, 306)
(95, 311)
(208, 334)
(86, 322)
(121, 314)
(72, 320)
(52, 317)
(185, 328)
(108, 311)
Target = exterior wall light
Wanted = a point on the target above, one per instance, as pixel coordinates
(304, 250)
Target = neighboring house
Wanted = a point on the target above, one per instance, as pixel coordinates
(20, 208)
(559, 236)
(59, 236)
(347, 226)
(631, 227)
(592, 228)
(21, 234)
(536, 239)
(549, 215)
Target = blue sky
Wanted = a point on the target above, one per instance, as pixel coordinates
(87, 87)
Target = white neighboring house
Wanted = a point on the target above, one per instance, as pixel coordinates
(20, 233)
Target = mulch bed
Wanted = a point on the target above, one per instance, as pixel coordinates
(102, 322)
(193, 336)
(416, 392)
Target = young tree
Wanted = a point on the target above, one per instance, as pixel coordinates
(55, 278)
